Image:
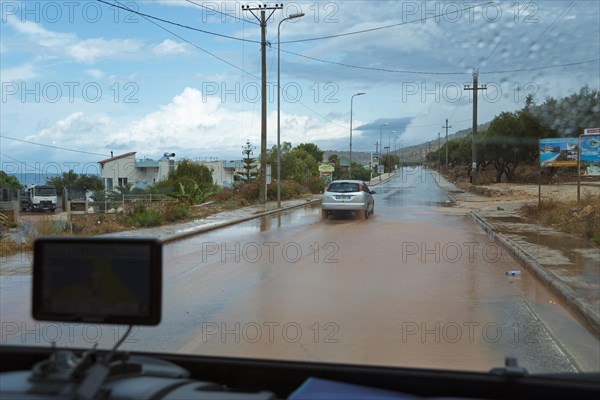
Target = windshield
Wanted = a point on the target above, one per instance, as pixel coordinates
(173, 116)
(343, 187)
(45, 191)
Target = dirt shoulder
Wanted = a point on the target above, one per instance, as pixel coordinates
(559, 207)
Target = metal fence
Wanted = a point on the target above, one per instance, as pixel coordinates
(117, 203)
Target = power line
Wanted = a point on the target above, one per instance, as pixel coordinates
(32, 167)
(373, 68)
(435, 73)
(222, 13)
(386, 26)
(166, 21)
(543, 67)
(52, 147)
(228, 63)
(196, 46)
(554, 23)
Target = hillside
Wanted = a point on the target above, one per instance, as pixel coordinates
(415, 153)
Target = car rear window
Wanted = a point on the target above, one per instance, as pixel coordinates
(343, 187)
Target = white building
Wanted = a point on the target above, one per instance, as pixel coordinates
(223, 172)
(125, 168)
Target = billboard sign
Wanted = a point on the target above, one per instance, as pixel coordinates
(326, 167)
(589, 157)
(591, 131)
(558, 152)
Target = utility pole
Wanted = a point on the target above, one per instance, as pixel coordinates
(475, 88)
(262, 192)
(438, 151)
(446, 126)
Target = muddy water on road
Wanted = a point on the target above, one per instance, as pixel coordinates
(411, 286)
(414, 285)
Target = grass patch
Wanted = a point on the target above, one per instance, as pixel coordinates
(581, 219)
(143, 218)
(177, 212)
(9, 246)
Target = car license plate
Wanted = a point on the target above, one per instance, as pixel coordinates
(343, 197)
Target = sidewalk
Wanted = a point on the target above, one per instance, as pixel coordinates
(568, 265)
(21, 263)
(169, 233)
(381, 178)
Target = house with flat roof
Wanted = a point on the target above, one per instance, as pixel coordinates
(125, 168)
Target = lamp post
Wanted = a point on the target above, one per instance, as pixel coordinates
(350, 166)
(388, 158)
(292, 16)
(395, 152)
(389, 151)
(381, 143)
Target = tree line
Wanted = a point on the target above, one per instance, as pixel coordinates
(512, 138)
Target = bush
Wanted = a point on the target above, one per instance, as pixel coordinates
(177, 212)
(222, 195)
(144, 218)
(289, 190)
(314, 185)
(247, 192)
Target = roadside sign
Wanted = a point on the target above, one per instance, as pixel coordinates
(326, 168)
(380, 169)
(559, 152)
(591, 131)
(589, 156)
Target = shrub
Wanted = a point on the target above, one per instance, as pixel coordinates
(177, 212)
(248, 191)
(142, 217)
(314, 185)
(223, 195)
(289, 190)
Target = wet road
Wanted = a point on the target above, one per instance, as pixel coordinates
(417, 284)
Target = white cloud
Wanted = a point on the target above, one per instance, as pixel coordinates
(40, 35)
(47, 44)
(95, 73)
(24, 72)
(169, 47)
(91, 50)
(189, 125)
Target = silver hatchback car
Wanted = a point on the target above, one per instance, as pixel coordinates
(345, 196)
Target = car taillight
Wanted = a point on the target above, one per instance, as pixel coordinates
(359, 187)
(328, 186)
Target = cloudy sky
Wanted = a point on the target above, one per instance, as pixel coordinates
(83, 78)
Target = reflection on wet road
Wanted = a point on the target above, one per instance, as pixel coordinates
(414, 285)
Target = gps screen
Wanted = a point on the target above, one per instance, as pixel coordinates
(97, 280)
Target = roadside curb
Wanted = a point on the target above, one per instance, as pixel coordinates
(587, 312)
(555, 284)
(177, 236)
(382, 181)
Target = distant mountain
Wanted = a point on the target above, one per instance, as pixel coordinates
(414, 153)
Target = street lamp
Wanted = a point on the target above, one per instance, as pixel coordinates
(380, 129)
(388, 158)
(350, 166)
(292, 16)
(395, 152)
(381, 144)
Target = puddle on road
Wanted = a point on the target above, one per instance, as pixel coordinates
(575, 260)
(447, 203)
